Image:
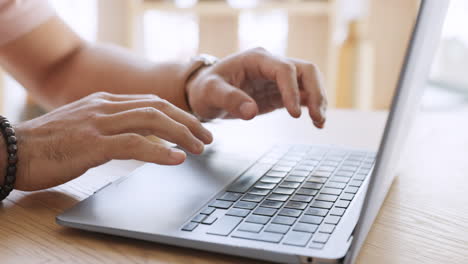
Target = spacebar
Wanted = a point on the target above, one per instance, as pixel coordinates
(244, 182)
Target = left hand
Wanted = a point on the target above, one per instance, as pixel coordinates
(255, 82)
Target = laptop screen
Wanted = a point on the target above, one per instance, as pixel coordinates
(412, 81)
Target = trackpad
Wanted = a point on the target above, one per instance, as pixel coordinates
(159, 199)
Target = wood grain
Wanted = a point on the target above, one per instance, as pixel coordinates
(424, 219)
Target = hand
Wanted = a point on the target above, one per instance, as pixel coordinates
(64, 144)
(256, 82)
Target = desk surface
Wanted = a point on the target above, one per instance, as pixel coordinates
(424, 218)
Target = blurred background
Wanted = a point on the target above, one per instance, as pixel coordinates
(358, 44)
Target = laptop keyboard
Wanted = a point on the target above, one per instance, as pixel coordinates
(294, 195)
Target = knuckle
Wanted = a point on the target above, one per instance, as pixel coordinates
(288, 67)
(151, 112)
(184, 131)
(161, 104)
(258, 50)
(105, 95)
(312, 67)
(131, 140)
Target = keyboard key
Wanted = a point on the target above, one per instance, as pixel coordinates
(208, 211)
(342, 204)
(340, 179)
(296, 205)
(295, 238)
(269, 179)
(316, 211)
(272, 204)
(244, 182)
(344, 173)
(225, 225)
(331, 163)
(336, 185)
(360, 176)
(284, 220)
(317, 179)
(302, 198)
(258, 219)
(265, 211)
(282, 169)
(230, 196)
(347, 196)
(287, 191)
(311, 219)
(286, 163)
(321, 238)
(221, 204)
(327, 197)
(326, 168)
(190, 226)
(287, 184)
(326, 228)
(275, 228)
(312, 185)
(263, 185)
(252, 198)
(245, 205)
(349, 168)
(295, 179)
(278, 197)
(351, 163)
(337, 211)
(333, 191)
(321, 204)
(307, 168)
(292, 158)
(304, 227)
(278, 174)
(299, 173)
(290, 212)
(351, 189)
(310, 162)
(210, 220)
(265, 236)
(305, 191)
(259, 191)
(332, 219)
(238, 212)
(250, 227)
(320, 173)
(355, 183)
(199, 218)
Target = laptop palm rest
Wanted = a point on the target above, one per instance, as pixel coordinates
(157, 199)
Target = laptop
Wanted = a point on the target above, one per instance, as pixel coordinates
(291, 204)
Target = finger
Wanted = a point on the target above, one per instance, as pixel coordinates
(170, 110)
(279, 70)
(231, 99)
(314, 92)
(134, 146)
(122, 97)
(150, 121)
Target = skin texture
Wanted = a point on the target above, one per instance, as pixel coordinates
(106, 100)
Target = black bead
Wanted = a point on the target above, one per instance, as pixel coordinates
(9, 131)
(11, 140)
(8, 187)
(5, 124)
(10, 179)
(12, 149)
(12, 159)
(11, 170)
(3, 192)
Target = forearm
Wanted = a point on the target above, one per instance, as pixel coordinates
(94, 68)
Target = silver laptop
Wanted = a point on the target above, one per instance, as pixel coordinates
(293, 204)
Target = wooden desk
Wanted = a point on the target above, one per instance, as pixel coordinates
(424, 219)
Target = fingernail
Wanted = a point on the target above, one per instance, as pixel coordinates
(207, 136)
(323, 112)
(198, 147)
(177, 155)
(246, 109)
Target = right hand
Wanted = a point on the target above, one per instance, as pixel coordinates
(62, 145)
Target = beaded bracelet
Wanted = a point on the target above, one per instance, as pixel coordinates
(10, 141)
